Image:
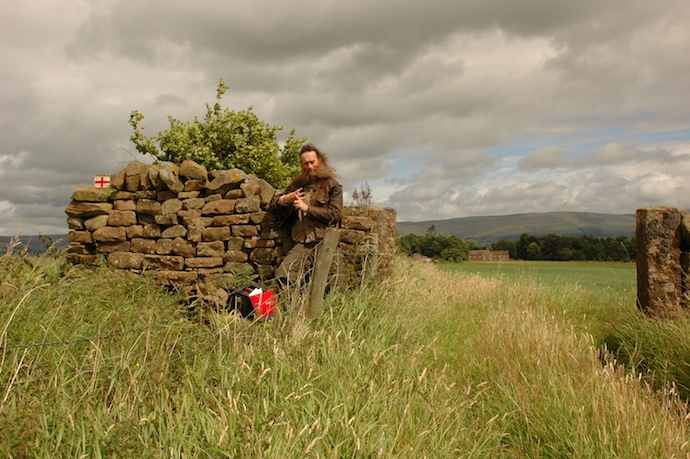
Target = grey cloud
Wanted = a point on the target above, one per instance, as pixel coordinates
(544, 158)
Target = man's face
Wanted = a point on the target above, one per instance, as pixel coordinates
(310, 162)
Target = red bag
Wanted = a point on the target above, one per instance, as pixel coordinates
(253, 302)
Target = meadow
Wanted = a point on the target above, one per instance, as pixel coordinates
(463, 361)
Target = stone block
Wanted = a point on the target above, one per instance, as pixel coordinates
(174, 231)
(148, 207)
(80, 237)
(221, 206)
(110, 234)
(195, 233)
(234, 194)
(245, 231)
(134, 231)
(124, 204)
(262, 256)
(166, 219)
(357, 223)
(92, 224)
(210, 249)
(88, 209)
(194, 185)
(122, 218)
(235, 243)
(164, 246)
(658, 259)
(685, 230)
(109, 247)
(151, 231)
(171, 206)
(125, 260)
(183, 247)
(248, 205)
(229, 220)
(92, 194)
(193, 170)
(235, 256)
(259, 243)
(204, 262)
(215, 234)
(75, 223)
(163, 262)
(141, 245)
(189, 195)
(193, 203)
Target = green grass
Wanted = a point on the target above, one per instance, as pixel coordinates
(429, 364)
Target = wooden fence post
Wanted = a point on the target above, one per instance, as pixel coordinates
(322, 265)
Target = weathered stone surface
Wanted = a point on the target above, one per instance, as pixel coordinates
(197, 221)
(148, 207)
(166, 220)
(213, 197)
(221, 206)
(168, 173)
(141, 245)
(225, 180)
(75, 223)
(195, 233)
(125, 260)
(357, 223)
(118, 181)
(205, 262)
(122, 204)
(658, 259)
(685, 230)
(110, 234)
(109, 247)
(259, 218)
(229, 220)
(189, 213)
(171, 206)
(251, 186)
(194, 185)
(193, 170)
(121, 195)
(145, 194)
(134, 231)
(215, 234)
(210, 249)
(193, 203)
(164, 195)
(151, 231)
(352, 236)
(122, 218)
(262, 256)
(266, 192)
(235, 256)
(92, 224)
(248, 205)
(245, 231)
(164, 246)
(133, 175)
(163, 262)
(183, 248)
(88, 209)
(235, 243)
(80, 237)
(234, 194)
(77, 248)
(174, 231)
(92, 194)
(189, 195)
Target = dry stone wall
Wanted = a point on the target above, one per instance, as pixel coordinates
(187, 223)
(663, 258)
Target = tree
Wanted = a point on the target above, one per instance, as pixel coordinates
(224, 140)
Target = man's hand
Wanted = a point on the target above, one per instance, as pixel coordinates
(299, 203)
(290, 198)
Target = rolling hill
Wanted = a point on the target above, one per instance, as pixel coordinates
(486, 230)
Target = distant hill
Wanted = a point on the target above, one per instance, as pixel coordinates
(486, 230)
(36, 246)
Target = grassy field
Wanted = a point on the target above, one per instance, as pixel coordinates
(433, 363)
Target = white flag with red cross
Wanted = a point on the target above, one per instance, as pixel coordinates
(101, 181)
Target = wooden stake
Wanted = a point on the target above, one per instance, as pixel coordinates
(322, 266)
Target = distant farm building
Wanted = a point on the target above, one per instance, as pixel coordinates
(488, 255)
(420, 257)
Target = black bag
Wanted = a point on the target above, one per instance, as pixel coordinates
(239, 300)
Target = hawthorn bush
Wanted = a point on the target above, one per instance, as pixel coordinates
(225, 139)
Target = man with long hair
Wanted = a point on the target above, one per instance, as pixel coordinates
(312, 203)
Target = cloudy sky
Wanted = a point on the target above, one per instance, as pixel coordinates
(446, 108)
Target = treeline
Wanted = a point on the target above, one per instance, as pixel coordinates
(566, 248)
(549, 247)
(434, 245)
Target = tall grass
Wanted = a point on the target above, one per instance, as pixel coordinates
(102, 363)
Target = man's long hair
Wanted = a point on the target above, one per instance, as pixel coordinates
(323, 171)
